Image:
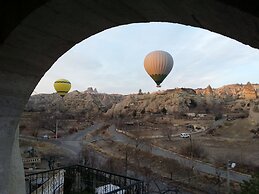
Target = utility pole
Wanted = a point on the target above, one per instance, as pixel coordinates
(126, 161)
(228, 185)
(230, 165)
(190, 136)
(56, 128)
(191, 151)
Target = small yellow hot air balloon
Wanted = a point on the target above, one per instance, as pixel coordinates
(62, 86)
(158, 65)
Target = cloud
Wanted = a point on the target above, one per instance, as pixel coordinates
(112, 61)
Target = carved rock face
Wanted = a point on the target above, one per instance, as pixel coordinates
(249, 91)
(208, 91)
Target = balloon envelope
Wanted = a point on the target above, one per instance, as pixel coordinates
(62, 86)
(158, 65)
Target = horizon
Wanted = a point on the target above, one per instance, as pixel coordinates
(82, 91)
(112, 60)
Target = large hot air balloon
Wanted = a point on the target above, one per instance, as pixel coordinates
(62, 86)
(158, 65)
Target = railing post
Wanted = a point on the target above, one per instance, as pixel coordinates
(53, 181)
(94, 181)
(48, 184)
(59, 180)
(36, 183)
(41, 184)
(30, 190)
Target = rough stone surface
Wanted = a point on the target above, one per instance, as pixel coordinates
(73, 102)
(34, 34)
(249, 91)
(208, 90)
(222, 16)
(16, 176)
(14, 94)
(174, 103)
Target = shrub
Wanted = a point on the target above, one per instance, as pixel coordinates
(256, 109)
(35, 133)
(134, 113)
(251, 186)
(72, 130)
(23, 126)
(194, 149)
(218, 116)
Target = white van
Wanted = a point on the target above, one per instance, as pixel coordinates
(108, 188)
(45, 137)
(185, 135)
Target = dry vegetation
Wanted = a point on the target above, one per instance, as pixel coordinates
(153, 168)
(228, 131)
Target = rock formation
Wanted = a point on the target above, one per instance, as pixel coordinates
(232, 91)
(90, 104)
(74, 102)
(208, 91)
(249, 92)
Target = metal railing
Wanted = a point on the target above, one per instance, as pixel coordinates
(79, 179)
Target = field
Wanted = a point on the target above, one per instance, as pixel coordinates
(146, 148)
(232, 140)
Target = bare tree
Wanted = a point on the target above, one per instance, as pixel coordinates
(167, 132)
(35, 124)
(255, 131)
(113, 165)
(194, 150)
(219, 180)
(89, 157)
(134, 113)
(148, 174)
(127, 152)
(167, 190)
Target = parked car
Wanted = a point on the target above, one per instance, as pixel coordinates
(45, 137)
(185, 135)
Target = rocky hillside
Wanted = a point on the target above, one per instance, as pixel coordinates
(174, 101)
(78, 110)
(77, 103)
(234, 91)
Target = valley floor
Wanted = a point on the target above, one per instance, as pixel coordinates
(164, 157)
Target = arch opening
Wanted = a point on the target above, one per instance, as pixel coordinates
(54, 27)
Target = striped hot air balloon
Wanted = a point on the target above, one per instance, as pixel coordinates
(62, 86)
(158, 65)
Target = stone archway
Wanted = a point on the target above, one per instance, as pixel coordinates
(36, 34)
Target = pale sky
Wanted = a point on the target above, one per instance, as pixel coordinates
(112, 61)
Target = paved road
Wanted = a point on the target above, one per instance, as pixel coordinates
(197, 165)
(71, 143)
